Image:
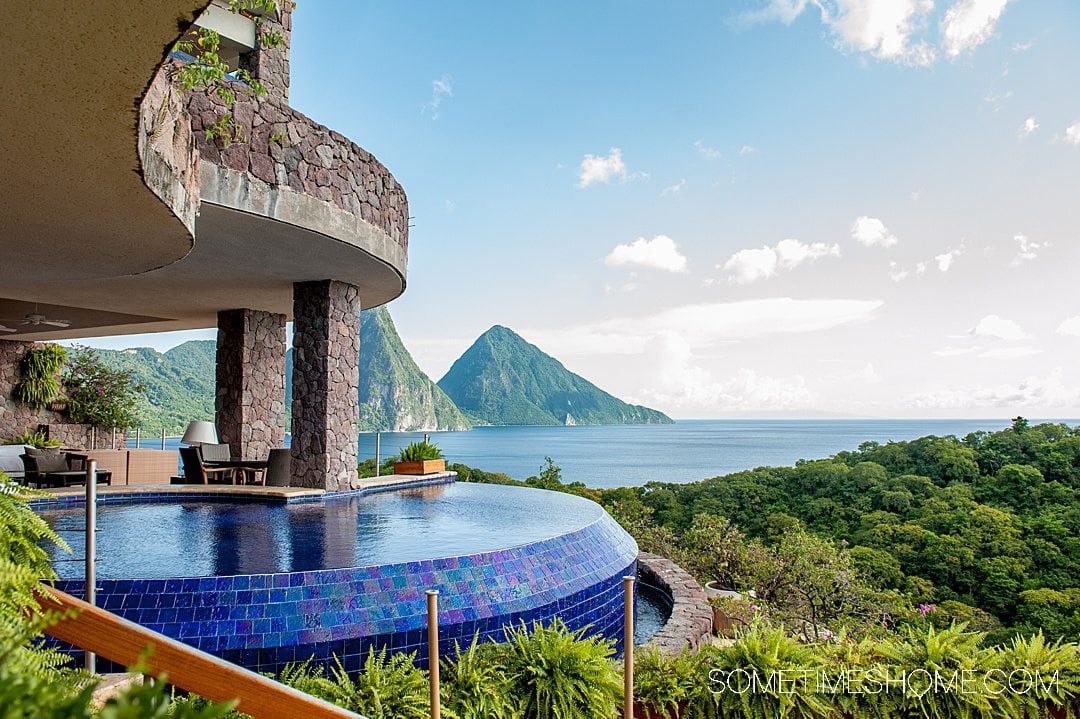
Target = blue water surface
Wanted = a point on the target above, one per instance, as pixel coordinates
(689, 450)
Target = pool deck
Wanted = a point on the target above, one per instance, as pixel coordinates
(389, 481)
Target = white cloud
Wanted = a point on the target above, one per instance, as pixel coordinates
(710, 152)
(681, 383)
(441, 89)
(945, 259)
(1072, 133)
(883, 28)
(1070, 326)
(970, 23)
(597, 168)
(674, 189)
(747, 150)
(1028, 250)
(894, 30)
(955, 351)
(1010, 352)
(1000, 328)
(659, 253)
(897, 273)
(1030, 125)
(705, 325)
(750, 265)
(1035, 391)
(871, 231)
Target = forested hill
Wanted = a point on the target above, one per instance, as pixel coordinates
(394, 393)
(503, 380)
(984, 528)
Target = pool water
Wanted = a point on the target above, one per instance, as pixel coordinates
(199, 539)
(652, 609)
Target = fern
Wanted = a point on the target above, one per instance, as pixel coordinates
(474, 685)
(554, 673)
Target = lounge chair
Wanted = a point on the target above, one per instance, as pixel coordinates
(195, 471)
(53, 468)
(279, 468)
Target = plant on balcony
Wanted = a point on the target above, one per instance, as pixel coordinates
(38, 384)
(420, 458)
(98, 394)
(39, 439)
(210, 72)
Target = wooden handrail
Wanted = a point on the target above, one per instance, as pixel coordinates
(193, 670)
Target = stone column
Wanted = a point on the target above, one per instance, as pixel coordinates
(15, 417)
(270, 65)
(325, 405)
(250, 400)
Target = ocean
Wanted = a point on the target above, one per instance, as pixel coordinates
(689, 450)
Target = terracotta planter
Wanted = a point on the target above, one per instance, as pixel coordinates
(427, 466)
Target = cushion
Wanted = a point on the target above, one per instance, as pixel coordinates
(50, 459)
(215, 452)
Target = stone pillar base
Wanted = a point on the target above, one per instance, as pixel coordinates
(325, 405)
(250, 400)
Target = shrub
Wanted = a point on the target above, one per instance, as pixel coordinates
(38, 383)
(38, 439)
(474, 685)
(419, 452)
(98, 394)
(672, 687)
(553, 673)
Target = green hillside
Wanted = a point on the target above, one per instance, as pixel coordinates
(502, 379)
(394, 393)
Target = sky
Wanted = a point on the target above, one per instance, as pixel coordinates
(787, 207)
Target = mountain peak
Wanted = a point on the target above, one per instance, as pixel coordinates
(503, 379)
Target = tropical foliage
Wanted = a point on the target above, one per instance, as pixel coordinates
(39, 439)
(39, 383)
(98, 394)
(35, 682)
(419, 452)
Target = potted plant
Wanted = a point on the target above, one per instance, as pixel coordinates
(420, 458)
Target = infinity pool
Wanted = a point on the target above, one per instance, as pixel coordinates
(200, 539)
(266, 582)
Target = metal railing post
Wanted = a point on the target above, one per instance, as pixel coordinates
(628, 647)
(433, 650)
(163, 438)
(93, 438)
(377, 454)
(91, 549)
(138, 437)
(114, 437)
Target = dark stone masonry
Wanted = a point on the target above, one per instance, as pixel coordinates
(285, 148)
(325, 405)
(690, 625)
(16, 417)
(250, 401)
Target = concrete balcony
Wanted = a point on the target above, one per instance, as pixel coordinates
(229, 227)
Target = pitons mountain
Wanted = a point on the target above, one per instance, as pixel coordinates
(394, 393)
(503, 380)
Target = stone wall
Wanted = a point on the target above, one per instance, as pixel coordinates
(690, 624)
(250, 401)
(285, 148)
(325, 405)
(270, 65)
(16, 417)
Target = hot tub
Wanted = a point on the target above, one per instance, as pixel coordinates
(262, 583)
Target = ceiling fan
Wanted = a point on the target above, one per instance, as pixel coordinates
(35, 319)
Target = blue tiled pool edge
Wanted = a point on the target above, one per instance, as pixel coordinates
(265, 621)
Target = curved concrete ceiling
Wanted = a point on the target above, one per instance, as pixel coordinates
(72, 201)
